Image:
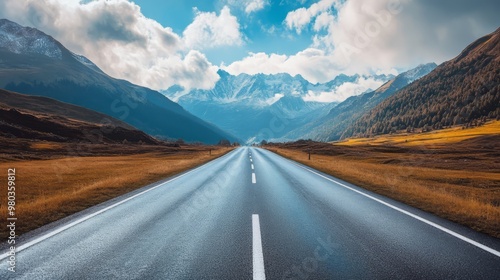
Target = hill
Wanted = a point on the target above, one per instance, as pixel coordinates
(44, 119)
(45, 105)
(487, 135)
(34, 63)
(462, 91)
(332, 126)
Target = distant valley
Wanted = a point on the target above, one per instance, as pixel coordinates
(258, 107)
(252, 108)
(276, 108)
(229, 139)
(333, 125)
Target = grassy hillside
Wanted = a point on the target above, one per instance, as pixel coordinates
(438, 137)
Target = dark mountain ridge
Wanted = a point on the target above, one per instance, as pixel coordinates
(461, 91)
(332, 126)
(34, 63)
(41, 118)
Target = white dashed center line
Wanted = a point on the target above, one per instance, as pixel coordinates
(254, 180)
(258, 256)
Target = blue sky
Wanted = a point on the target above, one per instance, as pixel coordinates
(161, 43)
(256, 27)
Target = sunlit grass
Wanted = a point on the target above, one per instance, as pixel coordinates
(439, 137)
(48, 190)
(468, 197)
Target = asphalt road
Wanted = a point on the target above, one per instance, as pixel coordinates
(253, 215)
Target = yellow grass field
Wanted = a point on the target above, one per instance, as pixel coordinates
(48, 190)
(439, 137)
(468, 197)
(454, 173)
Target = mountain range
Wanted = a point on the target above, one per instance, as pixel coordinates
(462, 91)
(277, 107)
(256, 107)
(332, 126)
(32, 62)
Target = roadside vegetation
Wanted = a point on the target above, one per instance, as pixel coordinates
(50, 189)
(439, 137)
(453, 173)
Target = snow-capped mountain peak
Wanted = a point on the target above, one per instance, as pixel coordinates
(26, 40)
(257, 102)
(418, 72)
(85, 61)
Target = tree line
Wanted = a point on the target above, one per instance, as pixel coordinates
(464, 92)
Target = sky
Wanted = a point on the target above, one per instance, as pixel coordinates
(163, 43)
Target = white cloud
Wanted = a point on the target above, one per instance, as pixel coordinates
(367, 37)
(274, 99)
(119, 39)
(209, 30)
(249, 6)
(193, 71)
(344, 91)
(402, 33)
(323, 20)
(312, 64)
(254, 6)
(301, 17)
(348, 37)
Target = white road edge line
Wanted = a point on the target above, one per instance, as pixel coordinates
(252, 167)
(63, 228)
(258, 257)
(254, 180)
(450, 232)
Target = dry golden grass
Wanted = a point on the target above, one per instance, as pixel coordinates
(438, 137)
(471, 198)
(48, 190)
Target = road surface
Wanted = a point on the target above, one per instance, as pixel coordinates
(252, 214)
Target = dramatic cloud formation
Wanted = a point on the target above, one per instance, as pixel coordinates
(312, 64)
(375, 36)
(119, 39)
(209, 30)
(318, 41)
